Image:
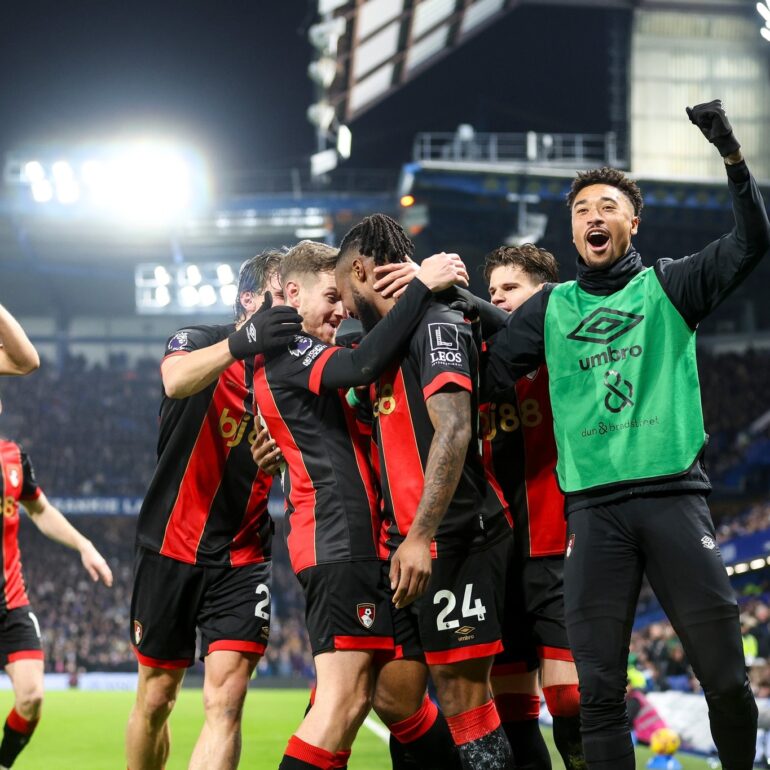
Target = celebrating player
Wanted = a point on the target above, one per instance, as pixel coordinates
(446, 526)
(620, 347)
(203, 535)
(517, 428)
(17, 353)
(332, 502)
(21, 653)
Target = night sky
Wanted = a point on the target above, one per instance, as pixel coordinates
(230, 77)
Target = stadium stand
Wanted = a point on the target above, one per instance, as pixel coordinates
(105, 445)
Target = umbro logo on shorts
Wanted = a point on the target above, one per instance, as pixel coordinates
(708, 543)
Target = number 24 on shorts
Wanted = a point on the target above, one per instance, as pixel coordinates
(478, 610)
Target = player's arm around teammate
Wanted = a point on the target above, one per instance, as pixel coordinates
(208, 584)
(17, 353)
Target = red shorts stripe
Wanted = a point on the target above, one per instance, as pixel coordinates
(555, 653)
(463, 653)
(159, 663)
(234, 645)
(26, 655)
(363, 642)
(506, 669)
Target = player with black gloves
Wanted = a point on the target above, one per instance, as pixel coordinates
(204, 533)
(619, 343)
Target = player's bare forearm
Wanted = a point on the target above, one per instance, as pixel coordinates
(187, 374)
(17, 353)
(450, 413)
(52, 523)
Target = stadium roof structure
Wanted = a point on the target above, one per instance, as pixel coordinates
(368, 49)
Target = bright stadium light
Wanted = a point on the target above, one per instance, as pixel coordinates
(207, 295)
(145, 182)
(208, 287)
(42, 191)
(764, 11)
(34, 171)
(188, 296)
(225, 274)
(193, 275)
(228, 294)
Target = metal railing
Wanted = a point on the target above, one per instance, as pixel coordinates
(557, 150)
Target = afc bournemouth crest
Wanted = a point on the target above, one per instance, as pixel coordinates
(570, 545)
(137, 632)
(366, 614)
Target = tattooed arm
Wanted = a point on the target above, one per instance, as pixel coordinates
(410, 567)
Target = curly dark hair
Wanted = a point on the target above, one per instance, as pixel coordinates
(378, 236)
(609, 176)
(538, 264)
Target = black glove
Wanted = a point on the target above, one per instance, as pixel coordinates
(270, 328)
(713, 123)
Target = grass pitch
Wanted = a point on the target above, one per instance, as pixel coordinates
(84, 731)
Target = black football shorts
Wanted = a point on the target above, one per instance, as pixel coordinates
(230, 606)
(19, 636)
(533, 625)
(348, 606)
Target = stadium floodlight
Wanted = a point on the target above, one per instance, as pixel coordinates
(344, 142)
(34, 171)
(764, 11)
(188, 296)
(228, 294)
(323, 71)
(208, 287)
(65, 184)
(321, 114)
(326, 35)
(193, 275)
(207, 295)
(323, 162)
(145, 182)
(225, 274)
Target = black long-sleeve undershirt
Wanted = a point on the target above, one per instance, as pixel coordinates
(349, 368)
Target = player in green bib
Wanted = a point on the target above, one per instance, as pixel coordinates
(619, 343)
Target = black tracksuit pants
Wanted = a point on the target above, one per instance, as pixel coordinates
(669, 538)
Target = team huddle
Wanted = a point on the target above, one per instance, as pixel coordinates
(474, 491)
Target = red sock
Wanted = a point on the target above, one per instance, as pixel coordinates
(341, 759)
(563, 700)
(16, 722)
(310, 756)
(517, 707)
(474, 724)
(415, 726)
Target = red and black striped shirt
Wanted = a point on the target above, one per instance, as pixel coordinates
(519, 446)
(207, 501)
(17, 484)
(330, 488)
(441, 354)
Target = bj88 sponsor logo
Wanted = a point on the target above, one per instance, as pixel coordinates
(507, 418)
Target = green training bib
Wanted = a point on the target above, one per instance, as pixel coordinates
(624, 385)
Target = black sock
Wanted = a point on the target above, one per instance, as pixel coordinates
(490, 752)
(434, 749)
(566, 736)
(527, 744)
(292, 763)
(14, 740)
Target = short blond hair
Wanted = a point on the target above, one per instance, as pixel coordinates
(308, 258)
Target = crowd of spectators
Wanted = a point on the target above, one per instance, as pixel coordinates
(92, 430)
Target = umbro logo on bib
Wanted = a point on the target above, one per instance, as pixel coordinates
(604, 325)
